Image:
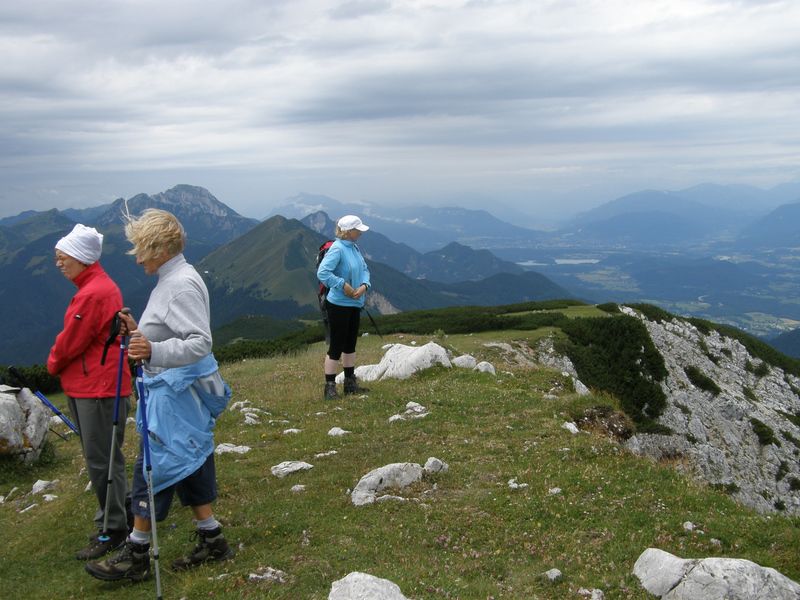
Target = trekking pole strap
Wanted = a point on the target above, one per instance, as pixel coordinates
(116, 327)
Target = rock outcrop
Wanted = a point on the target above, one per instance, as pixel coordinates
(24, 423)
(738, 429)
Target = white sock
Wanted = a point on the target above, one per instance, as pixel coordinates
(209, 524)
(139, 537)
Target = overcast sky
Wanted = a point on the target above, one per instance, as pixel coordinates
(552, 105)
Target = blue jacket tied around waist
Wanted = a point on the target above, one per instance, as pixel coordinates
(182, 406)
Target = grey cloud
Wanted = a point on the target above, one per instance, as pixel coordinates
(359, 8)
(284, 85)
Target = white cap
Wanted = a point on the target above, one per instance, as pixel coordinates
(83, 243)
(349, 222)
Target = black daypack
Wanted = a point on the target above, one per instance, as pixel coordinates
(322, 292)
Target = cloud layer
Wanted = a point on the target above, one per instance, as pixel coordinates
(403, 101)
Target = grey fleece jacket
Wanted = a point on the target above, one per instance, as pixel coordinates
(177, 319)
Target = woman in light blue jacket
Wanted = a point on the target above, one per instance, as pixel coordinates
(344, 272)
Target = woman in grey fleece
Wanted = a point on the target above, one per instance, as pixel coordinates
(173, 338)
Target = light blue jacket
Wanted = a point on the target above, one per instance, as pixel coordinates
(182, 406)
(343, 262)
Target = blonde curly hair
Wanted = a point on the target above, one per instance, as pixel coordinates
(153, 234)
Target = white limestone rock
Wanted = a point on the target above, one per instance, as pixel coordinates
(362, 586)
(226, 448)
(485, 367)
(571, 427)
(579, 387)
(42, 485)
(434, 465)
(413, 411)
(337, 431)
(553, 574)
(268, 574)
(672, 578)
(395, 475)
(288, 467)
(324, 454)
(401, 362)
(465, 361)
(24, 422)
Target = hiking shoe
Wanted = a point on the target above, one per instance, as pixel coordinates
(351, 386)
(212, 546)
(100, 544)
(132, 561)
(330, 391)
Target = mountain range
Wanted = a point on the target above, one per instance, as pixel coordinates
(251, 268)
(682, 250)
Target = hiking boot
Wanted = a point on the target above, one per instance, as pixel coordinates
(330, 391)
(211, 547)
(351, 386)
(100, 544)
(132, 561)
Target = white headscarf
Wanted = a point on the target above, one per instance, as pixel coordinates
(84, 244)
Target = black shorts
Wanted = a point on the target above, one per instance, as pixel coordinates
(344, 322)
(197, 489)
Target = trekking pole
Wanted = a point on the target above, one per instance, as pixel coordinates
(15, 372)
(148, 467)
(116, 326)
(375, 325)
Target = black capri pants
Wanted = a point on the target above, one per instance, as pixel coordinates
(344, 322)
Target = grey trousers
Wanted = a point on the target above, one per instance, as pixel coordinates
(94, 418)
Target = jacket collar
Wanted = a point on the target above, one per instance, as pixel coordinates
(172, 265)
(89, 273)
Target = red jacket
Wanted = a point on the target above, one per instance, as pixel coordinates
(75, 356)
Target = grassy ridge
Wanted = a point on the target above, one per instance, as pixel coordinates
(462, 534)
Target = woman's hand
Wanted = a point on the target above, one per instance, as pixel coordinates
(362, 289)
(139, 347)
(127, 322)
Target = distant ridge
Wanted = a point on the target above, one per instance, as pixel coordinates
(452, 263)
(272, 270)
(205, 218)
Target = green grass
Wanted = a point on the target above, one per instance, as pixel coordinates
(468, 536)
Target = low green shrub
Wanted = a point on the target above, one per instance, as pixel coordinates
(618, 356)
(764, 433)
(609, 307)
(654, 313)
(701, 380)
(36, 376)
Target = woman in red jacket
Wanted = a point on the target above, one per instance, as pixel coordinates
(91, 387)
